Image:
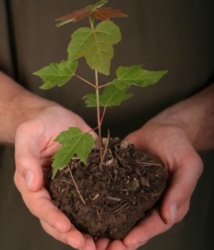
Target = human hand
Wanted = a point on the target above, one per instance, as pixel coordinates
(34, 147)
(171, 145)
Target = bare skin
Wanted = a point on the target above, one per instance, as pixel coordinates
(174, 135)
(177, 128)
(26, 120)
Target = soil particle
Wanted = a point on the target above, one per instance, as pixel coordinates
(110, 202)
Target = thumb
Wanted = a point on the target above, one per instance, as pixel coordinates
(135, 138)
(27, 158)
(28, 166)
(131, 137)
(182, 184)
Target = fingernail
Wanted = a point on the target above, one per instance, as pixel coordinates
(173, 212)
(29, 178)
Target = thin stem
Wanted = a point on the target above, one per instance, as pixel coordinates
(92, 84)
(105, 85)
(84, 80)
(91, 20)
(99, 122)
(102, 118)
(106, 146)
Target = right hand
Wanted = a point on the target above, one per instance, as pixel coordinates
(34, 148)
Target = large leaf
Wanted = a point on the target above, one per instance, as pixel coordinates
(135, 75)
(112, 96)
(57, 74)
(74, 142)
(96, 46)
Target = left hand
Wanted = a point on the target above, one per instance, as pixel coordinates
(184, 165)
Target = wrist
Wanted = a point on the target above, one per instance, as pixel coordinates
(17, 105)
(194, 116)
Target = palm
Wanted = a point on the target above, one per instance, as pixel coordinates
(171, 145)
(34, 148)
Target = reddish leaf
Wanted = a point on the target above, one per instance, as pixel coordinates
(99, 12)
(105, 13)
(74, 16)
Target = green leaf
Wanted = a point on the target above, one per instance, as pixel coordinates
(135, 75)
(57, 74)
(96, 46)
(112, 96)
(74, 142)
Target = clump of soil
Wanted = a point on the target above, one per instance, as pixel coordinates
(110, 202)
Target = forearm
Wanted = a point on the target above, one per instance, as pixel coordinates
(17, 105)
(195, 116)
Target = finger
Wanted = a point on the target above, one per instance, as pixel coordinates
(73, 237)
(149, 227)
(102, 244)
(182, 184)
(29, 167)
(117, 245)
(40, 205)
(89, 243)
(146, 229)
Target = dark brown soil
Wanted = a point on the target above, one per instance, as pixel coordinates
(110, 202)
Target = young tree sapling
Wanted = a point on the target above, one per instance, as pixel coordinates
(95, 43)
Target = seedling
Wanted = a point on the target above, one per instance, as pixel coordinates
(95, 43)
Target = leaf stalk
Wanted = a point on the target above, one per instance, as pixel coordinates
(84, 80)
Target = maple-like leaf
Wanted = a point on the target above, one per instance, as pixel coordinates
(74, 16)
(57, 74)
(96, 46)
(74, 143)
(135, 75)
(105, 13)
(111, 96)
(96, 10)
(80, 14)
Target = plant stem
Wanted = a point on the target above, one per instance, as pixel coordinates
(98, 119)
(84, 80)
(99, 122)
(105, 85)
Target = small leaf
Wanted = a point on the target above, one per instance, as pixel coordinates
(95, 45)
(74, 142)
(80, 14)
(75, 16)
(135, 75)
(112, 96)
(105, 14)
(57, 74)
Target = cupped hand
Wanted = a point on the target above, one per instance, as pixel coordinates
(34, 147)
(171, 145)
